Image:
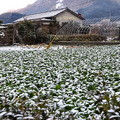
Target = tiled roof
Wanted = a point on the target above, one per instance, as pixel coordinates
(47, 14)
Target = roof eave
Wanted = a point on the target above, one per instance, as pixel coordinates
(67, 9)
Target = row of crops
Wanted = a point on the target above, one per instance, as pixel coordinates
(64, 84)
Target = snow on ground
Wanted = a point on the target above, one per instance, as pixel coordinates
(65, 83)
(20, 48)
(14, 48)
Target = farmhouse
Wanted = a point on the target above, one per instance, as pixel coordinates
(49, 22)
(58, 15)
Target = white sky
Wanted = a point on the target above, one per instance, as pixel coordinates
(8, 5)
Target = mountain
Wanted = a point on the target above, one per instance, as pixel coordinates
(10, 17)
(38, 6)
(89, 8)
(45, 5)
(101, 8)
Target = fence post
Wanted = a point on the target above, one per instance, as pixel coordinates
(119, 33)
(90, 30)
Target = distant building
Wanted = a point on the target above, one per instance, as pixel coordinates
(49, 22)
(58, 15)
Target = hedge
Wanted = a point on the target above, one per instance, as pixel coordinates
(81, 37)
(77, 43)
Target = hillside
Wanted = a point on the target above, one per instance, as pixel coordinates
(45, 5)
(101, 8)
(10, 17)
(89, 8)
(38, 6)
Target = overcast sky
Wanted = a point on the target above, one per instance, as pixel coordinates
(7, 5)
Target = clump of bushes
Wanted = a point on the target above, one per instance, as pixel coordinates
(7, 38)
(81, 37)
(29, 35)
(27, 32)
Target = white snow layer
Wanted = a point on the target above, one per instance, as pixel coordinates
(19, 48)
(14, 48)
(59, 4)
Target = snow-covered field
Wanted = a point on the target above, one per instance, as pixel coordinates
(28, 48)
(60, 83)
(14, 48)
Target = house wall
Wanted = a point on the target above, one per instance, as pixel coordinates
(67, 17)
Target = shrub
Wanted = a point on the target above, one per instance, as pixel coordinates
(7, 38)
(1, 21)
(42, 36)
(27, 32)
